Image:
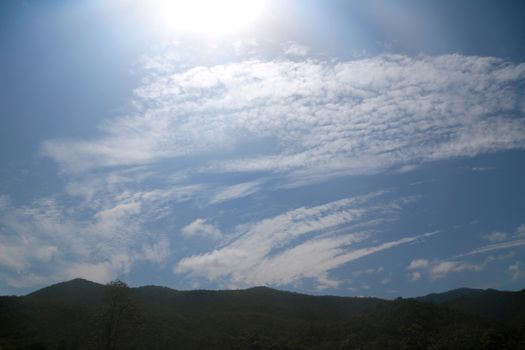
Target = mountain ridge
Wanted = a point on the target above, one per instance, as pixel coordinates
(490, 303)
(74, 315)
(434, 297)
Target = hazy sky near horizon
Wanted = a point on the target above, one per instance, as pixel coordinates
(326, 147)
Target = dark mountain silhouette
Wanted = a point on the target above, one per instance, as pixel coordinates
(449, 296)
(80, 314)
(489, 302)
(79, 291)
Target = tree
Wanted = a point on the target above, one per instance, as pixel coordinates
(116, 315)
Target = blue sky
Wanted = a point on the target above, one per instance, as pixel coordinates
(327, 147)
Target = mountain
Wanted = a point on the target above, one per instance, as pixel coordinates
(79, 291)
(492, 303)
(449, 296)
(80, 314)
(259, 300)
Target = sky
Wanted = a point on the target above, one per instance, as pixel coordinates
(320, 146)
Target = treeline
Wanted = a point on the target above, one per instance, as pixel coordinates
(115, 317)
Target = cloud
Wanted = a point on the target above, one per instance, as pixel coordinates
(442, 268)
(496, 236)
(414, 275)
(482, 169)
(101, 272)
(515, 271)
(369, 271)
(505, 241)
(236, 191)
(18, 257)
(199, 227)
(317, 256)
(26, 280)
(4, 201)
(439, 268)
(296, 121)
(495, 246)
(158, 252)
(54, 242)
(295, 49)
(324, 282)
(418, 264)
(302, 243)
(310, 120)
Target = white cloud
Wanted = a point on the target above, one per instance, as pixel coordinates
(53, 242)
(414, 275)
(515, 271)
(295, 49)
(303, 120)
(102, 272)
(313, 119)
(368, 271)
(301, 243)
(324, 282)
(440, 268)
(13, 257)
(199, 227)
(26, 280)
(482, 169)
(157, 252)
(495, 246)
(443, 268)
(418, 264)
(516, 240)
(236, 191)
(310, 259)
(496, 236)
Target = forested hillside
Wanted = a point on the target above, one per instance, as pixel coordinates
(84, 315)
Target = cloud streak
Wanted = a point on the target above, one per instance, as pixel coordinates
(439, 268)
(272, 123)
(199, 227)
(495, 246)
(236, 191)
(310, 119)
(47, 241)
(505, 241)
(308, 242)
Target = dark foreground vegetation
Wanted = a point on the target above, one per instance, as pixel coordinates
(80, 314)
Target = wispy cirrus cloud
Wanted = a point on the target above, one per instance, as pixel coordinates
(235, 191)
(504, 241)
(199, 227)
(48, 241)
(317, 257)
(295, 49)
(496, 236)
(439, 268)
(295, 121)
(302, 243)
(311, 119)
(495, 246)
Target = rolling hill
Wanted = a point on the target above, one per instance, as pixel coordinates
(80, 314)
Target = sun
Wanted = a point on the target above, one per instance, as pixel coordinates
(214, 17)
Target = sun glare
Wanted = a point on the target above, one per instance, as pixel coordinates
(213, 17)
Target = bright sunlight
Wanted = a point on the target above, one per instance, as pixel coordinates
(212, 17)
